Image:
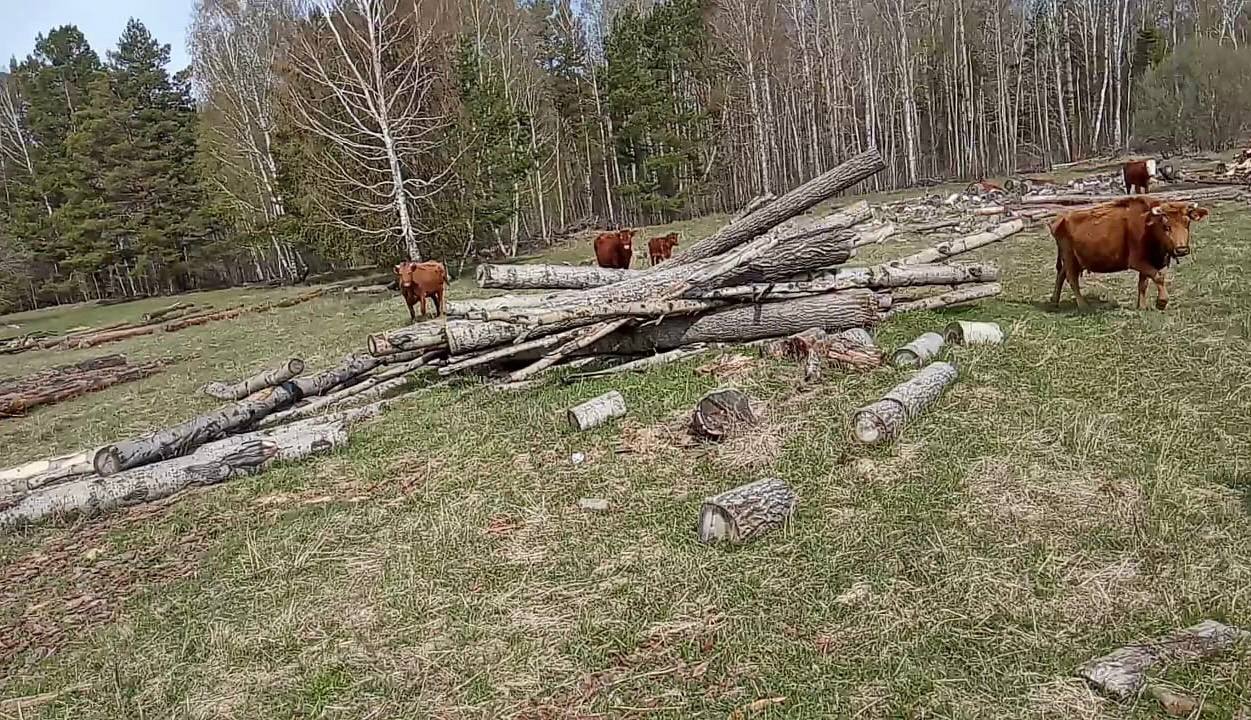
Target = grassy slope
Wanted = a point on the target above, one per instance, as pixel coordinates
(1084, 485)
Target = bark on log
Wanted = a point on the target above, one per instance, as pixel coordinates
(596, 411)
(834, 312)
(720, 413)
(792, 203)
(1122, 674)
(919, 351)
(556, 277)
(420, 337)
(814, 347)
(573, 345)
(1197, 194)
(187, 436)
(640, 365)
(268, 377)
(927, 227)
(878, 276)
(966, 294)
(202, 318)
(19, 481)
(209, 465)
(747, 512)
(540, 316)
(157, 315)
(874, 236)
(108, 337)
(754, 204)
(377, 387)
(965, 244)
(458, 364)
(964, 332)
(886, 418)
(69, 387)
(463, 308)
(60, 373)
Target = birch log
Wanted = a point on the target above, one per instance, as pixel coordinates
(959, 296)
(157, 315)
(1122, 673)
(755, 204)
(596, 411)
(642, 364)
(889, 275)
(958, 246)
(554, 277)
(919, 351)
(884, 419)
(187, 436)
(1195, 195)
(747, 512)
(268, 377)
(374, 387)
(209, 465)
(964, 332)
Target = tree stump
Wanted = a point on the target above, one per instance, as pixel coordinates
(884, 419)
(719, 412)
(919, 351)
(963, 332)
(746, 512)
(597, 411)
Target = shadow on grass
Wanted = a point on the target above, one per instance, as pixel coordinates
(1069, 307)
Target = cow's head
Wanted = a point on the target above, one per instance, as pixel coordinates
(1169, 225)
(405, 273)
(626, 238)
(671, 241)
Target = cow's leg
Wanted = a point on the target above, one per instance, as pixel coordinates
(1143, 278)
(1074, 273)
(1055, 296)
(412, 316)
(438, 303)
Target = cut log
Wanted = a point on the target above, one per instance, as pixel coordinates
(858, 336)
(1195, 195)
(878, 276)
(642, 364)
(187, 436)
(72, 386)
(203, 318)
(886, 418)
(919, 351)
(209, 465)
(540, 316)
(927, 227)
(792, 203)
(61, 373)
(964, 332)
(720, 413)
(88, 341)
(747, 512)
(755, 204)
(962, 245)
(161, 314)
(555, 277)
(463, 308)
(571, 346)
(736, 324)
(960, 296)
(1122, 674)
(596, 411)
(874, 236)
(16, 483)
(378, 386)
(419, 337)
(268, 377)
(815, 347)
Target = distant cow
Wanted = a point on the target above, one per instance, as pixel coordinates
(1140, 234)
(661, 248)
(615, 249)
(1138, 176)
(419, 280)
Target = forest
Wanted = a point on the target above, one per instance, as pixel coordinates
(308, 134)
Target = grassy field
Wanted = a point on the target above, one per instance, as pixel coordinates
(1084, 485)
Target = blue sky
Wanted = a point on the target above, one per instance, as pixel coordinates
(101, 21)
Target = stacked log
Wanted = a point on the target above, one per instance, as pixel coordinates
(772, 272)
(57, 384)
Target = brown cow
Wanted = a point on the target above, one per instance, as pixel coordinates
(661, 248)
(1139, 233)
(615, 249)
(1138, 175)
(418, 280)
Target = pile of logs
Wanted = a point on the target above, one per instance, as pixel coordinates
(53, 385)
(771, 273)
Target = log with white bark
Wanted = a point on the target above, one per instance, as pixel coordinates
(210, 464)
(919, 351)
(886, 418)
(19, 481)
(376, 386)
(958, 246)
(555, 277)
(642, 364)
(965, 332)
(588, 337)
(888, 275)
(1195, 195)
(1122, 674)
(959, 296)
(747, 512)
(755, 204)
(185, 437)
(268, 377)
(596, 411)
(643, 308)
(165, 312)
(419, 337)
(464, 308)
(874, 236)
(927, 227)
(457, 364)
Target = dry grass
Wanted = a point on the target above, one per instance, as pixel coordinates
(1084, 485)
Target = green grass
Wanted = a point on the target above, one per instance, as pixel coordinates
(1084, 485)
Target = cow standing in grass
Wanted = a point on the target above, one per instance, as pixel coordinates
(661, 248)
(615, 249)
(1138, 176)
(1138, 233)
(419, 280)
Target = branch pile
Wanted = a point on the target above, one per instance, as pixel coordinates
(53, 385)
(771, 273)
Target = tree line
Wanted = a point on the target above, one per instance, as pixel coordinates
(316, 132)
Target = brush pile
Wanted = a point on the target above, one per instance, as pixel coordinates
(53, 385)
(773, 272)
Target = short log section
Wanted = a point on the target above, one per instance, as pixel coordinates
(596, 411)
(886, 418)
(747, 512)
(719, 413)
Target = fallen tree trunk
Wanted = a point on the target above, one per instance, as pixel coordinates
(963, 245)
(211, 464)
(1122, 673)
(1215, 193)
(325, 402)
(65, 389)
(642, 364)
(19, 481)
(419, 337)
(108, 337)
(268, 377)
(878, 276)
(187, 436)
(60, 373)
(556, 277)
(885, 419)
(156, 315)
(959, 296)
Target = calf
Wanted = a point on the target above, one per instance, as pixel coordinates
(615, 249)
(417, 280)
(1138, 175)
(1139, 233)
(661, 248)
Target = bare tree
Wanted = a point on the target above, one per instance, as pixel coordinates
(370, 72)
